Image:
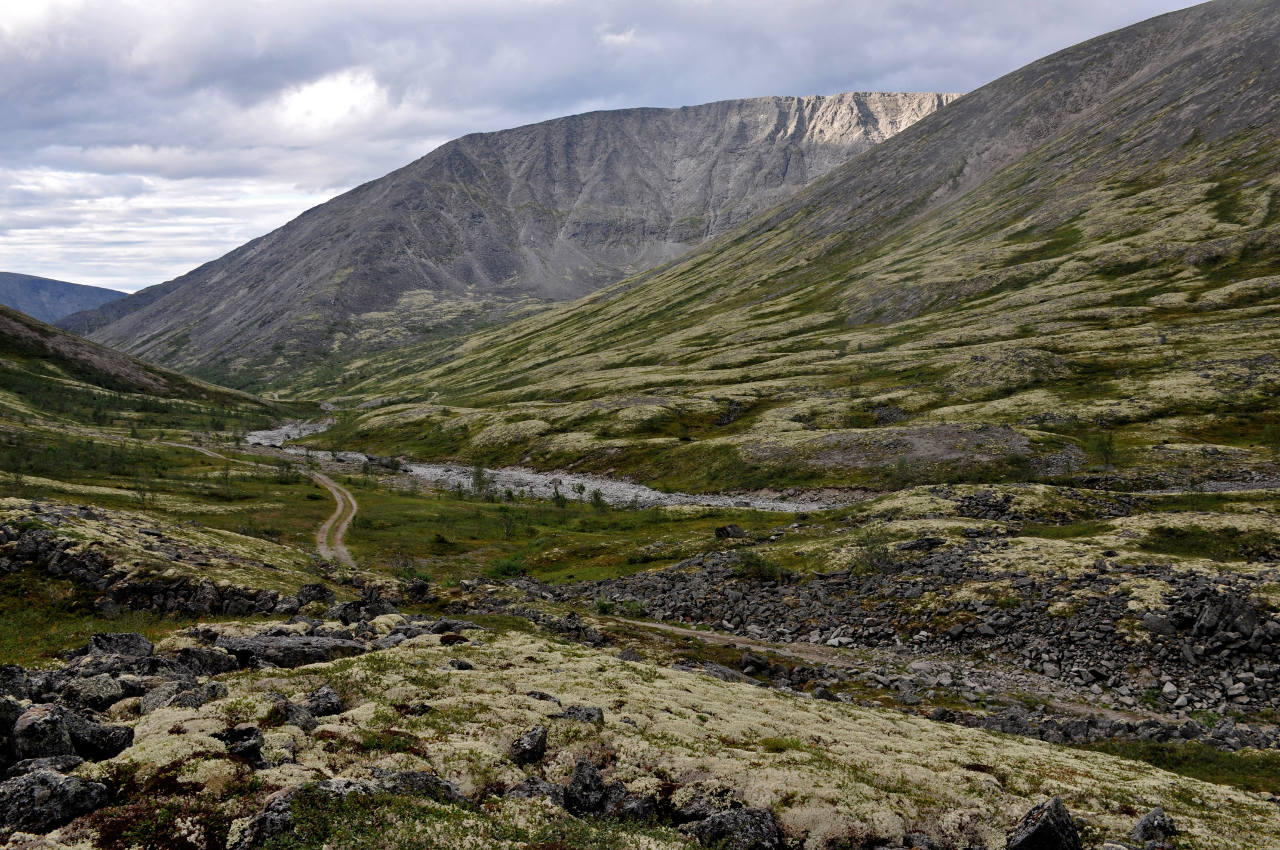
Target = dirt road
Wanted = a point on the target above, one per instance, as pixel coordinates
(329, 536)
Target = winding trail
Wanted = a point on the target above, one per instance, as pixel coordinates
(330, 535)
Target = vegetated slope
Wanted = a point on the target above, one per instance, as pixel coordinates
(1092, 238)
(49, 300)
(496, 222)
(50, 376)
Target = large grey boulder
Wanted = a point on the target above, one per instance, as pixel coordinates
(534, 788)
(94, 692)
(128, 644)
(59, 764)
(43, 800)
(1048, 826)
(530, 747)
(420, 783)
(584, 795)
(739, 829)
(324, 701)
(41, 731)
(1155, 825)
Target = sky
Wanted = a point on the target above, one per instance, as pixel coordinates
(139, 139)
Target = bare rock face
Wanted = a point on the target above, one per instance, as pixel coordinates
(546, 212)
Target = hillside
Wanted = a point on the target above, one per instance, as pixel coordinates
(50, 300)
(1071, 266)
(492, 224)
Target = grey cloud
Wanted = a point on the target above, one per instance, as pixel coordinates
(201, 98)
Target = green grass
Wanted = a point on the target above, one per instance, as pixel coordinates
(450, 536)
(1087, 528)
(44, 617)
(1224, 543)
(1250, 770)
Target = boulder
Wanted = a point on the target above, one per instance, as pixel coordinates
(288, 650)
(42, 800)
(128, 644)
(203, 661)
(244, 742)
(285, 712)
(739, 829)
(1048, 826)
(583, 714)
(94, 692)
(530, 747)
(534, 788)
(419, 783)
(41, 731)
(158, 697)
(60, 764)
(584, 795)
(314, 592)
(324, 702)
(96, 741)
(1155, 825)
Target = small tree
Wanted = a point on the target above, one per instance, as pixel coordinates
(597, 500)
(1103, 444)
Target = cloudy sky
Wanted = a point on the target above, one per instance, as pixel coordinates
(139, 139)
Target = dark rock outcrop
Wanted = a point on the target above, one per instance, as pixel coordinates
(44, 799)
(1048, 826)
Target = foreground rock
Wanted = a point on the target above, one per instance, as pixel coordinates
(42, 800)
(1046, 827)
(740, 829)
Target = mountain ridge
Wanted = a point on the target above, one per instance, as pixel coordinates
(498, 222)
(48, 299)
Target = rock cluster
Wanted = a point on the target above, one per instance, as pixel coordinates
(118, 590)
(1213, 646)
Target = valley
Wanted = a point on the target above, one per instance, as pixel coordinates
(853, 472)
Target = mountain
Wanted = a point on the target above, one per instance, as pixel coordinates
(50, 300)
(494, 223)
(1081, 253)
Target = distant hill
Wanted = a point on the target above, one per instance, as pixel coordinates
(50, 300)
(37, 361)
(494, 223)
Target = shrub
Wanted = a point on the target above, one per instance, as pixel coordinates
(508, 566)
(754, 566)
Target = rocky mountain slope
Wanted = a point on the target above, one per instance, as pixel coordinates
(50, 300)
(495, 222)
(1072, 264)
